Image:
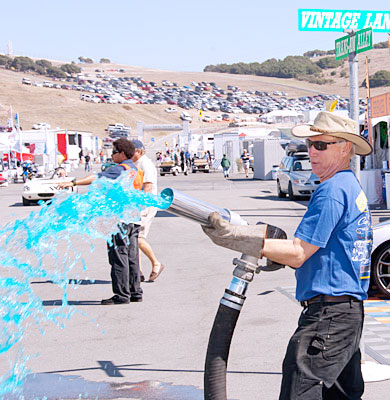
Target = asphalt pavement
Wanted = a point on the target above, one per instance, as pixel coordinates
(155, 350)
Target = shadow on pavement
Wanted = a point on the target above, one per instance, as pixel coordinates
(79, 282)
(57, 303)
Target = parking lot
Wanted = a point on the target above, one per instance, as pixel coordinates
(155, 350)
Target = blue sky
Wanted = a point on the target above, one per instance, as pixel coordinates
(167, 34)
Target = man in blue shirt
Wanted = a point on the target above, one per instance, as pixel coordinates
(331, 254)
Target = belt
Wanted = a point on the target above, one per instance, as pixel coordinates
(323, 298)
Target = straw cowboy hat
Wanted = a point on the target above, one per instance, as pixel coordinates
(328, 123)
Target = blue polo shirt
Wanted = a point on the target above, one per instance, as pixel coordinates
(339, 222)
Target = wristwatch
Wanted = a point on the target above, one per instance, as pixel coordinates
(74, 181)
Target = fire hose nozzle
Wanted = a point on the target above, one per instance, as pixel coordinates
(195, 209)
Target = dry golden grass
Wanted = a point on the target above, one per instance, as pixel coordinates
(64, 109)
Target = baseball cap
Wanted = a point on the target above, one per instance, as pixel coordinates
(138, 144)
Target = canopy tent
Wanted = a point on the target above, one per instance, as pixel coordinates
(284, 117)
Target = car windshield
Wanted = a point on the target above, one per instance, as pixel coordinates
(302, 165)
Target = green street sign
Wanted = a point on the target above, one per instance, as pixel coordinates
(338, 20)
(359, 42)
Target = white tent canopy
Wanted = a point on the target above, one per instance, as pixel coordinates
(283, 116)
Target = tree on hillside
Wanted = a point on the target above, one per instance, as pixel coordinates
(268, 68)
(292, 66)
(329, 62)
(381, 45)
(56, 72)
(43, 63)
(40, 70)
(104, 60)
(22, 64)
(380, 78)
(85, 60)
(70, 69)
(4, 60)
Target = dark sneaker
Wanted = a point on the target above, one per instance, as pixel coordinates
(114, 300)
(135, 299)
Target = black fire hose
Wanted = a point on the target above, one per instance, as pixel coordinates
(218, 353)
(226, 319)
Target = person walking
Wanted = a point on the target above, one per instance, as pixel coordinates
(123, 254)
(225, 164)
(88, 163)
(245, 162)
(331, 257)
(145, 164)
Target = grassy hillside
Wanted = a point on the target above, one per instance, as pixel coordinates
(64, 109)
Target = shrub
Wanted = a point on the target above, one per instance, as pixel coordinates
(380, 78)
(104, 60)
(329, 62)
(381, 45)
(343, 73)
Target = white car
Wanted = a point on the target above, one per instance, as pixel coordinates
(43, 189)
(206, 118)
(171, 110)
(41, 125)
(380, 257)
(184, 116)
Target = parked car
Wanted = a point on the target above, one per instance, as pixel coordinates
(171, 110)
(184, 116)
(26, 81)
(119, 133)
(295, 176)
(41, 125)
(380, 257)
(44, 188)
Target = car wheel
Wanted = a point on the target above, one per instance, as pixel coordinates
(380, 269)
(175, 173)
(26, 202)
(290, 192)
(193, 171)
(281, 194)
(186, 173)
(162, 174)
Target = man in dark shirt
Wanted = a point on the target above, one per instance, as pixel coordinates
(123, 252)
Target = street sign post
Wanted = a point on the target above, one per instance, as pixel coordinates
(357, 43)
(349, 46)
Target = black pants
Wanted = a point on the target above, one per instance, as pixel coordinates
(323, 356)
(124, 261)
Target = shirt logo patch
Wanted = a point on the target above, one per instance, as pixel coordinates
(361, 202)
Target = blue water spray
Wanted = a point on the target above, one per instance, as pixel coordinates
(29, 245)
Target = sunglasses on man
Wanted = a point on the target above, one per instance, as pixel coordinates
(319, 145)
(115, 151)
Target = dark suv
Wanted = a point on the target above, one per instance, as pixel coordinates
(295, 176)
